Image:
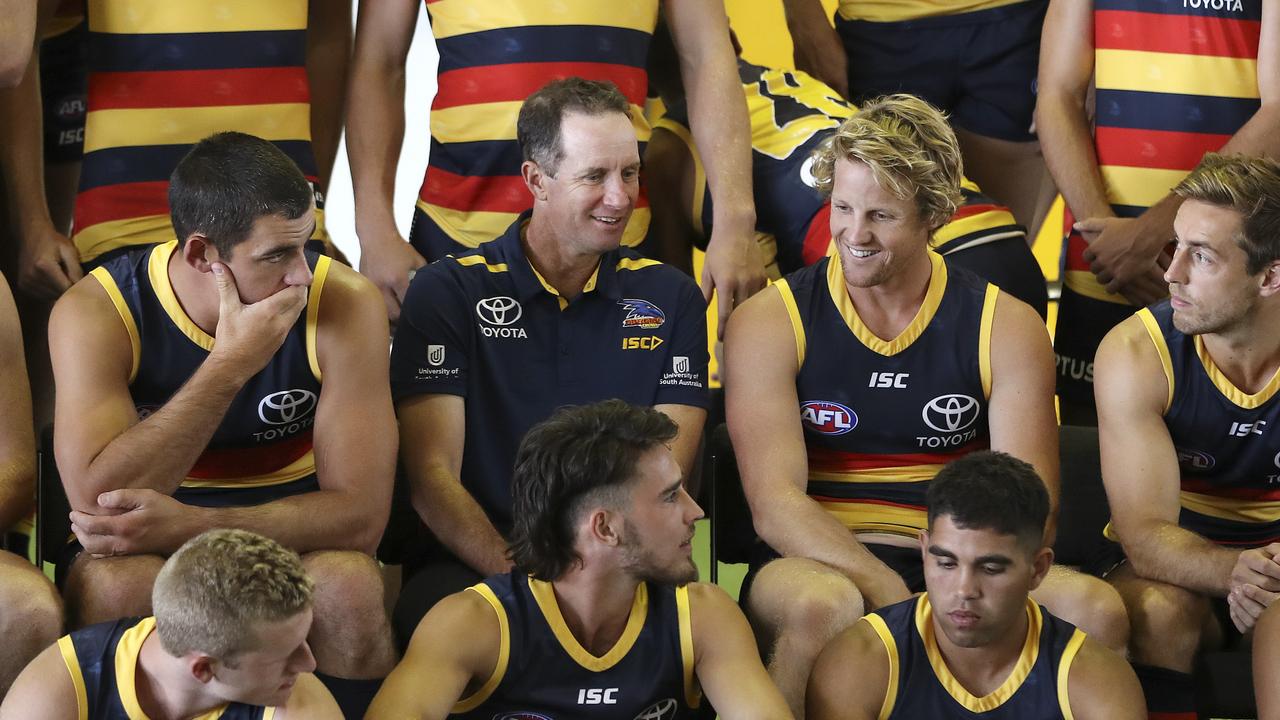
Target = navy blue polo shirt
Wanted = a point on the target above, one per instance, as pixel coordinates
(486, 326)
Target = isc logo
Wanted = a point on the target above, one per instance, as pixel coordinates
(828, 418)
(888, 380)
(598, 696)
(641, 343)
(1239, 429)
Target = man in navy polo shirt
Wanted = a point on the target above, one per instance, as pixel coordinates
(554, 312)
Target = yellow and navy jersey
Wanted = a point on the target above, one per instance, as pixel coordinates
(791, 113)
(264, 441)
(1174, 81)
(493, 55)
(922, 686)
(881, 417)
(486, 326)
(543, 671)
(103, 663)
(162, 76)
(900, 10)
(1228, 452)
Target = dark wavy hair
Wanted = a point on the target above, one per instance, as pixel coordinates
(580, 458)
(229, 180)
(991, 490)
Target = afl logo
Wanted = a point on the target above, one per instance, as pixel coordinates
(500, 310)
(828, 418)
(286, 406)
(661, 710)
(951, 413)
(1195, 459)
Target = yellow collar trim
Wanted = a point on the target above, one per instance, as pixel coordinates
(158, 272)
(545, 596)
(928, 308)
(564, 302)
(1227, 388)
(997, 697)
(127, 652)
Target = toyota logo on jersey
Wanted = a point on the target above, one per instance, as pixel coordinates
(286, 406)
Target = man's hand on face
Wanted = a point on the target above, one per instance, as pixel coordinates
(249, 335)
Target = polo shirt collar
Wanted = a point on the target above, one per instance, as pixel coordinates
(528, 283)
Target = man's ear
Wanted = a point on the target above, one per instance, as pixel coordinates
(604, 527)
(200, 667)
(534, 179)
(1040, 565)
(1270, 283)
(199, 253)
(924, 545)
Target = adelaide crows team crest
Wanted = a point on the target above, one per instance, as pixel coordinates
(642, 314)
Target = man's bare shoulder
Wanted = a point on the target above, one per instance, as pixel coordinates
(1101, 684)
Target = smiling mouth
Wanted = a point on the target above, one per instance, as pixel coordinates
(863, 253)
(607, 220)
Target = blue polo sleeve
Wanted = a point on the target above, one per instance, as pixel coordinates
(684, 379)
(431, 349)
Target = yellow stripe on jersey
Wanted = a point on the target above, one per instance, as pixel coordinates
(909, 334)
(899, 474)
(473, 701)
(958, 692)
(1227, 388)
(897, 10)
(104, 237)
(1139, 186)
(166, 16)
(1162, 350)
(1176, 73)
(475, 228)
(1233, 509)
(474, 260)
(158, 273)
(459, 17)
(313, 312)
(1083, 282)
(632, 264)
(296, 470)
(1064, 672)
(133, 127)
(793, 314)
(68, 651)
(891, 649)
(692, 693)
(483, 122)
(877, 518)
(108, 283)
(546, 599)
(984, 338)
(975, 223)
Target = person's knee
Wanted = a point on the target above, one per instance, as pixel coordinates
(348, 588)
(30, 609)
(1167, 622)
(814, 605)
(101, 589)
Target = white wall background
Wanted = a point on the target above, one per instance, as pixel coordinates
(420, 88)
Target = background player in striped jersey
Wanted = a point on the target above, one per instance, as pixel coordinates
(601, 617)
(975, 645)
(1188, 415)
(228, 640)
(493, 55)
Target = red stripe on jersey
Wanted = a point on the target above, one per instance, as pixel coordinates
(250, 461)
(1161, 149)
(1076, 246)
(496, 193)
(828, 460)
(198, 88)
(1179, 34)
(516, 81)
(1203, 487)
(117, 202)
(818, 237)
(965, 211)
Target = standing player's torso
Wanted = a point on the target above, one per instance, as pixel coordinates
(164, 75)
(265, 437)
(543, 672)
(492, 56)
(1227, 441)
(900, 10)
(881, 417)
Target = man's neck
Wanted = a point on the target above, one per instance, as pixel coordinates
(164, 688)
(565, 271)
(1248, 354)
(194, 291)
(983, 669)
(888, 308)
(596, 606)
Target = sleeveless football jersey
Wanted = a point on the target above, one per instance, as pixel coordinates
(1173, 82)
(493, 55)
(103, 662)
(881, 417)
(897, 10)
(543, 672)
(1228, 451)
(921, 685)
(791, 113)
(162, 76)
(264, 440)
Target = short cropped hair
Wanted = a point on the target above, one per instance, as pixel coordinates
(991, 490)
(1251, 187)
(910, 149)
(229, 180)
(213, 592)
(538, 126)
(579, 458)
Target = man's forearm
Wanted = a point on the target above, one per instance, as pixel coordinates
(21, 158)
(1170, 554)
(375, 131)
(722, 132)
(1068, 150)
(328, 54)
(458, 521)
(319, 520)
(799, 527)
(158, 452)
